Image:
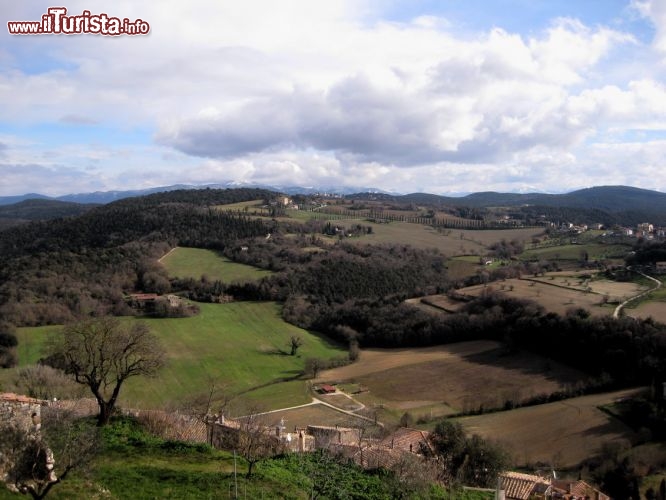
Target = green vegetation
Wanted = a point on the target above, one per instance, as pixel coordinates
(198, 262)
(137, 465)
(243, 345)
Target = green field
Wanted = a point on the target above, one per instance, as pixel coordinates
(245, 206)
(196, 262)
(241, 345)
(595, 251)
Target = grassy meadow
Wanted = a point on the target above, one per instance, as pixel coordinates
(241, 346)
(196, 262)
(450, 242)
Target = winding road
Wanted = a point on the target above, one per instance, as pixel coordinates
(616, 313)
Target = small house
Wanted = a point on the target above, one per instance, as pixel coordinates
(326, 389)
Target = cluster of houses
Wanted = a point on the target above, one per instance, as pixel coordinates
(399, 447)
(402, 446)
(519, 486)
(644, 230)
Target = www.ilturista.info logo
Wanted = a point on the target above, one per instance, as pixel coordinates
(57, 22)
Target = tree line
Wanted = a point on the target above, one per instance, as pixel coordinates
(626, 351)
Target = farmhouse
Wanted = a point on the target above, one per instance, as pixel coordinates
(326, 436)
(142, 300)
(224, 432)
(570, 490)
(519, 486)
(348, 442)
(403, 445)
(411, 440)
(326, 389)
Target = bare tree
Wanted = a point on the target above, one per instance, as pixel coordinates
(411, 476)
(37, 460)
(255, 442)
(312, 367)
(295, 343)
(213, 401)
(102, 353)
(45, 382)
(252, 439)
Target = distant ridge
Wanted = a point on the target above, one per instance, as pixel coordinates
(39, 209)
(608, 198)
(10, 200)
(103, 197)
(613, 199)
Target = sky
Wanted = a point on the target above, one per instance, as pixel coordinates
(445, 97)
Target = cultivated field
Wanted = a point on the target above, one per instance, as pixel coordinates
(241, 345)
(615, 291)
(449, 241)
(438, 302)
(558, 434)
(457, 269)
(552, 298)
(452, 378)
(654, 305)
(656, 310)
(244, 206)
(595, 251)
(196, 262)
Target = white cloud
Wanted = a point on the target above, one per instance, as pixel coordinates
(304, 92)
(655, 10)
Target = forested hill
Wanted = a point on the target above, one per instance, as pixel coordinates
(608, 198)
(54, 270)
(38, 209)
(175, 216)
(608, 204)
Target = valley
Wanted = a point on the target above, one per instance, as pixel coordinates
(409, 321)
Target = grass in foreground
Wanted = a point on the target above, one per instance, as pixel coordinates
(135, 465)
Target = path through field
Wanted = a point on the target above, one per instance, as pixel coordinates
(166, 254)
(616, 313)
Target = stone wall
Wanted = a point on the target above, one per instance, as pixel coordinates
(22, 411)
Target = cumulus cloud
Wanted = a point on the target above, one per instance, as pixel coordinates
(330, 93)
(74, 119)
(476, 101)
(655, 11)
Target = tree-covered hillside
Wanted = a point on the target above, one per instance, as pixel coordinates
(55, 270)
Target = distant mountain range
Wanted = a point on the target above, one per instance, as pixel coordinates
(642, 203)
(102, 197)
(608, 198)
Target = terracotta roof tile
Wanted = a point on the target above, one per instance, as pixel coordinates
(519, 486)
(19, 398)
